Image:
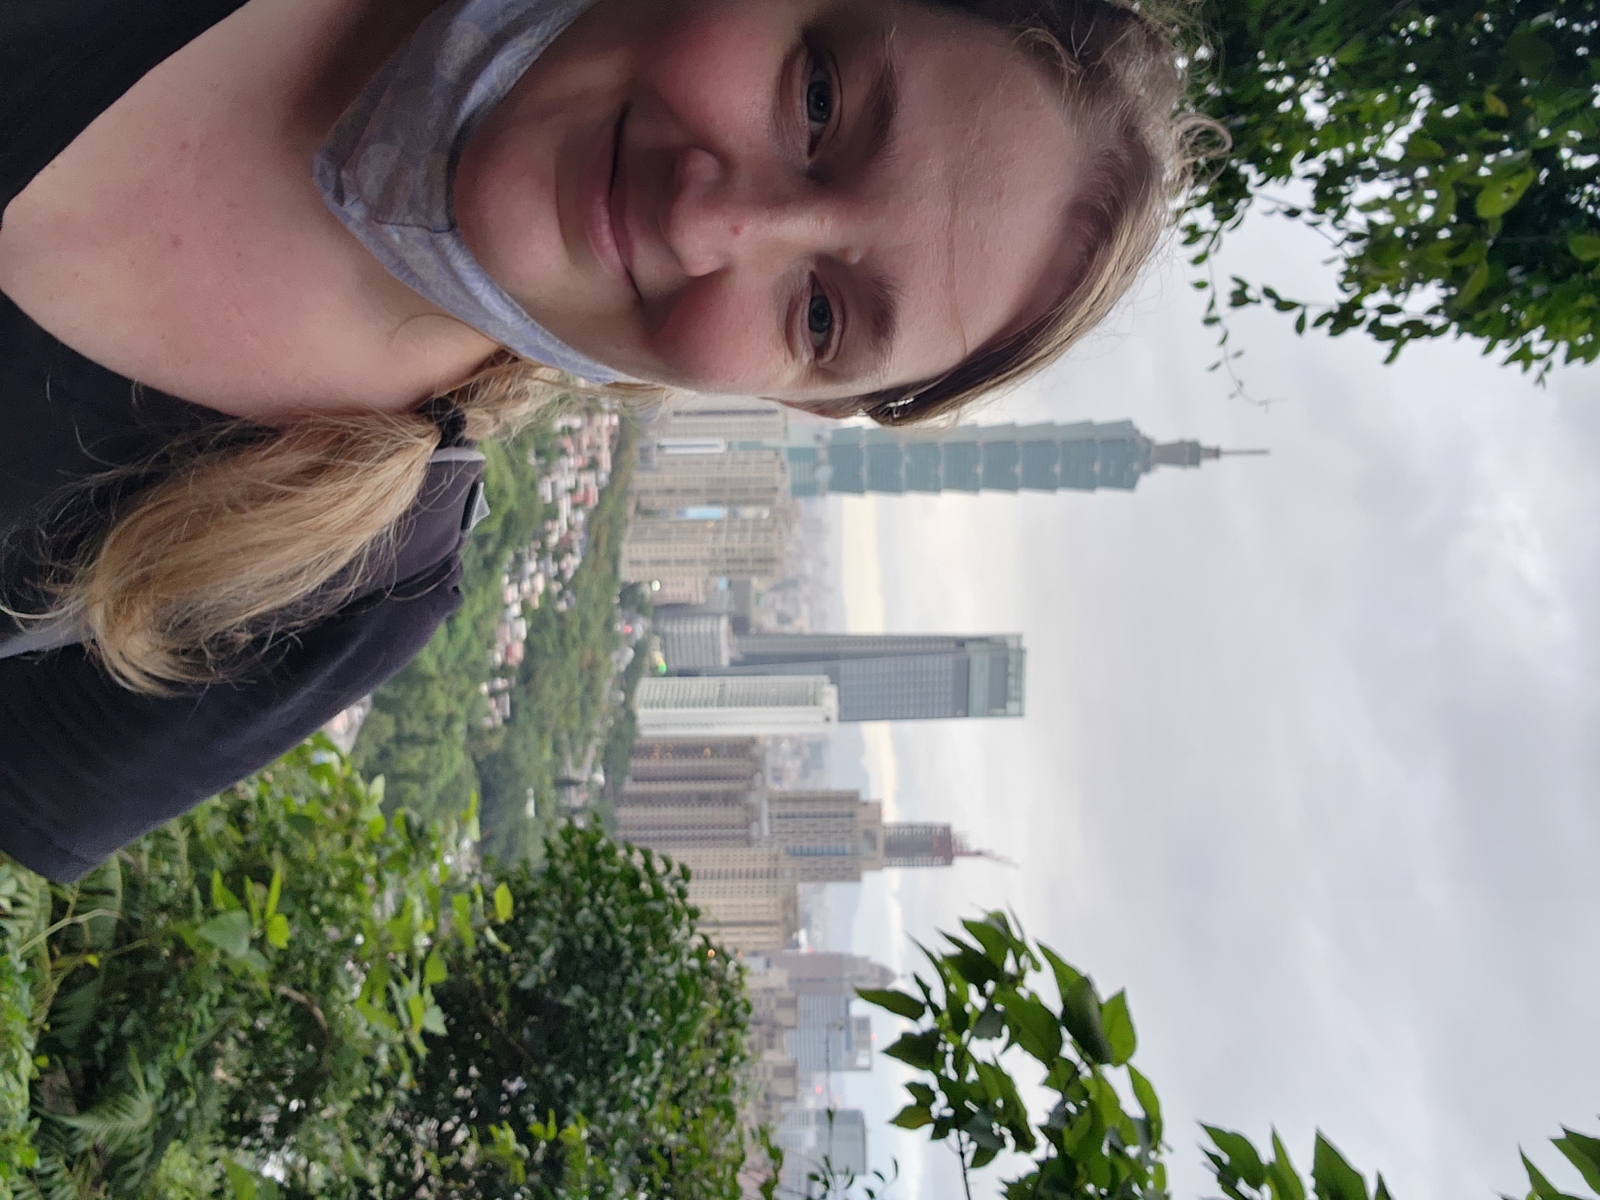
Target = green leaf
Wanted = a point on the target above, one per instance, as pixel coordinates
(1542, 1187)
(1585, 247)
(991, 1023)
(433, 1019)
(1281, 1174)
(1335, 1178)
(229, 932)
(982, 1131)
(241, 1181)
(1582, 1151)
(278, 931)
(1118, 1027)
(433, 969)
(1419, 145)
(1080, 1008)
(222, 899)
(1494, 105)
(972, 967)
(502, 903)
(1034, 1028)
(1530, 52)
(919, 1050)
(461, 907)
(1475, 283)
(1501, 193)
(1240, 1154)
(912, 1116)
(1145, 1094)
(995, 942)
(898, 1003)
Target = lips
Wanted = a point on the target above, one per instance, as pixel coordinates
(622, 234)
(605, 214)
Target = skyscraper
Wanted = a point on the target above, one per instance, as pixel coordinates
(893, 677)
(829, 836)
(668, 482)
(693, 795)
(728, 418)
(696, 759)
(746, 706)
(829, 1037)
(1083, 456)
(681, 554)
(695, 639)
(746, 895)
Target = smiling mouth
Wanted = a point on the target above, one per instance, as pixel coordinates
(616, 209)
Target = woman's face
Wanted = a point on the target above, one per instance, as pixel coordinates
(800, 199)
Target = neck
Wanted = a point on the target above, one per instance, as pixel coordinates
(180, 241)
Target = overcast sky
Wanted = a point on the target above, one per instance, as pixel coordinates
(1309, 762)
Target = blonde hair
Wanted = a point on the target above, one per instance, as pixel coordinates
(250, 536)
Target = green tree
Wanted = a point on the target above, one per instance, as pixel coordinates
(563, 700)
(1445, 148)
(593, 1051)
(997, 1001)
(224, 992)
(425, 730)
(426, 734)
(988, 1002)
(288, 981)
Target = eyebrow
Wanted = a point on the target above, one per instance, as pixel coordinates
(879, 295)
(882, 106)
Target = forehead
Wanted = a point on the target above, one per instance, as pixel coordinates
(968, 211)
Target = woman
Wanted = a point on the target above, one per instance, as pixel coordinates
(269, 266)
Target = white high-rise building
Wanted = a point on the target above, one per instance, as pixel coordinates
(735, 706)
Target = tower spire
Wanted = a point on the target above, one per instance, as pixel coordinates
(961, 847)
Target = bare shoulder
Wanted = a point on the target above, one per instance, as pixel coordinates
(179, 239)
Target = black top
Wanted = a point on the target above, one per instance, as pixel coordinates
(85, 765)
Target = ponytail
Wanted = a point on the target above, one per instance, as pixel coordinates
(240, 545)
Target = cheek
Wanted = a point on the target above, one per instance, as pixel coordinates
(505, 206)
(720, 339)
(717, 59)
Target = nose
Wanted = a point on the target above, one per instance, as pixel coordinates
(724, 214)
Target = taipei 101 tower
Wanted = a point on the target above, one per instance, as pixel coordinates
(1081, 457)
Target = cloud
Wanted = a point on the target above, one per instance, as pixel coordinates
(1309, 762)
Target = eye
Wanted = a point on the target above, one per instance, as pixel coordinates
(819, 320)
(819, 98)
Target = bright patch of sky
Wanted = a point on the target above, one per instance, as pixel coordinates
(1310, 763)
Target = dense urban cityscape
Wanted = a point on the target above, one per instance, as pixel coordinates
(728, 680)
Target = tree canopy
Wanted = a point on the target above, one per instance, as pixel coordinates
(1449, 151)
(287, 993)
(426, 734)
(595, 1051)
